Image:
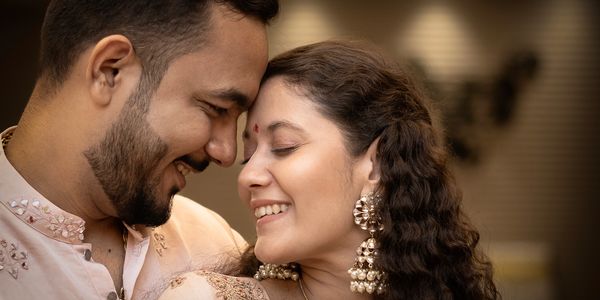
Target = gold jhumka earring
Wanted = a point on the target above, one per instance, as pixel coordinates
(365, 277)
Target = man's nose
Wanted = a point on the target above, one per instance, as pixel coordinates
(222, 147)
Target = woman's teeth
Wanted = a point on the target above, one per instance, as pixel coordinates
(184, 170)
(273, 209)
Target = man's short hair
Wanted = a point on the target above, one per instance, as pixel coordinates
(160, 30)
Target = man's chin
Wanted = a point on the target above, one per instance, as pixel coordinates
(149, 218)
(149, 213)
(174, 190)
(162, 214)
(159, 220)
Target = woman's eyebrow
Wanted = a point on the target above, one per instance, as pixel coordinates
(284, 124)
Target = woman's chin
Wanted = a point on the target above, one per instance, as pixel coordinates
(270, 255)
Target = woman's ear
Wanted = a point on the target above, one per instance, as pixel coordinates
(369, 168)
(375, 174)
(109, 57)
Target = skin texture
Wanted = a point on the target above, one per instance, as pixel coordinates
(298, 157)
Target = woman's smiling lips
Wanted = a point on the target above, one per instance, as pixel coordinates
(267, 208)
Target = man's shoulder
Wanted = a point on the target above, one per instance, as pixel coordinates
(198, 225)
(191, 212)
(194, 237)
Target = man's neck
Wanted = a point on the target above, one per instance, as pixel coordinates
(50, 168)
(48, 171)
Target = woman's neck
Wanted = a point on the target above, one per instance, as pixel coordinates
(323, 278)
(329, 280)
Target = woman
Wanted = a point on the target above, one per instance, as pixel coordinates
(347, 178)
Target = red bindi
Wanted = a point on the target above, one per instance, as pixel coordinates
(256, 128)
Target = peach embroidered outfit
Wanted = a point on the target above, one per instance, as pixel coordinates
(212, 286)
(43, 256)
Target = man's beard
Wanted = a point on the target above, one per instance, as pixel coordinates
(124, 162)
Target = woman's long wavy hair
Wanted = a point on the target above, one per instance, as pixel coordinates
(428, 248)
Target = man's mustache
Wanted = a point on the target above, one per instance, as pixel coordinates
(197, 165)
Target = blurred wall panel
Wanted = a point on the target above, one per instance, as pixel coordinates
(19, 29)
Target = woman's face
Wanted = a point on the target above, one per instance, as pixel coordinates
(299, 180)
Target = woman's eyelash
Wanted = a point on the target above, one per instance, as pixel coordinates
(245, 161)
(276, 151)
(284, 150)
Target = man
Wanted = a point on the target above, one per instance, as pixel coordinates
(132, 96)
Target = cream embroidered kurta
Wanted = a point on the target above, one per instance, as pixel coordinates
(42, 255)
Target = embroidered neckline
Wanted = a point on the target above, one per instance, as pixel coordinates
(56, 224)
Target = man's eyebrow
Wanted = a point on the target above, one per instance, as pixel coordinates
(234, 95)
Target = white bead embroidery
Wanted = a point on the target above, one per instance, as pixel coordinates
(65, 228)
(12, 259)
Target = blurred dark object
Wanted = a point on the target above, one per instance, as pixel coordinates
(478, 110)
(463, 121)
(517, 73)
(20, 22)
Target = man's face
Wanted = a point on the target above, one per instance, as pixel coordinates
(192, 120)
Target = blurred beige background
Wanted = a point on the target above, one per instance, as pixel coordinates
(529, 182)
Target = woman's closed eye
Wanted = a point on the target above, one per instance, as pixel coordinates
(245, 161)
(282, 151)
(278, 151)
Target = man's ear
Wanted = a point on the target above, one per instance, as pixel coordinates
(104, 70)
(369, 168)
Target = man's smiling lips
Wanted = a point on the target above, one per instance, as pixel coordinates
(183, 168)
